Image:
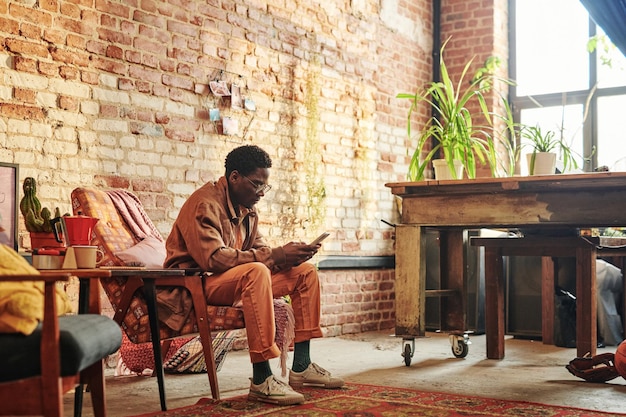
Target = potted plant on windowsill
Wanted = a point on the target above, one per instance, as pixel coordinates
(453, 132)
(545, 148)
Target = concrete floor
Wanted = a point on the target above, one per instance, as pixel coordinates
(531, 371)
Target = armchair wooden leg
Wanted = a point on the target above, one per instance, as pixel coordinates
(197, 296)
(94, 376)
(150, 293)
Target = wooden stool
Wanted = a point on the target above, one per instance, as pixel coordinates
(584, 249)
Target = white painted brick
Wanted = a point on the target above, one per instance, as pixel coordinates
(117, 97)
(87, 137)
(128, 141)
(109, 125)
(142, 157)
(41, 129)
(18, 126)
(69, 88)
(108, 80)
(89, 107)
(6, 93)
(144, 171)
(67, 118)
(128, 169)
(180, 108)
(160, 172)
(26, 80)
(147, 101)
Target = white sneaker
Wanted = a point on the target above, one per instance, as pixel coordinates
(315, 376)
(274, 391)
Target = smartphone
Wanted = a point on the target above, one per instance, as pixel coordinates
(319, 239)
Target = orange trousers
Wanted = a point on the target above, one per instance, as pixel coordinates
(255, 286)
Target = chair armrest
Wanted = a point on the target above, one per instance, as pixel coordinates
(49, 347)
(44, 276)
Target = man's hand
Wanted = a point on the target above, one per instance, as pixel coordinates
(298, 252)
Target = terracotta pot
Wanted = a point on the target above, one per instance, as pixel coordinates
(41, 240)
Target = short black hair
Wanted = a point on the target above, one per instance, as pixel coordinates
(246, 159)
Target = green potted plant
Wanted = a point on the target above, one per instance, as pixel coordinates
(37, 219)
(545, 148)
(456, 136)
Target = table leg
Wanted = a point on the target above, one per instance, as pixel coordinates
(150, 293)
(547, 299)
(494, 302)
(586, 302)
(453, 261)
(410, 280)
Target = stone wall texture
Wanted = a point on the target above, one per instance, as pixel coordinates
(111, 93)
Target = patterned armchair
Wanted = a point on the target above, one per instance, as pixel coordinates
(122, 225)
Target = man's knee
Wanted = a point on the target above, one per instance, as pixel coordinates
(258, 273)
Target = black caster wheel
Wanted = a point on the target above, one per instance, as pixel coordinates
(407, 354)
(408, 347)
(460, 349)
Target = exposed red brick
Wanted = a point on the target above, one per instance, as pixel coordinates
(49, 5)
(180, 82)
(89, 77)
(114, 52)
(9, 26)
(125, 84)
(70, 10)
(108, 110)
(69, 73)
(115, 8)
(152, 185)
(112, 181)
(73, 25)
(30, 14)
(25, 64)
(140, 73)
(143, 86)
(114, 36)
(76, 41)
(179, 135)
(110, 66)
(30, 31)
(26, 48)
(70, 57)
(50, 69)
(22, 112)
(24, 95)
(68, 103)
(182, 28)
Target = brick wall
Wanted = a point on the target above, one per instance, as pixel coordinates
(115, 94)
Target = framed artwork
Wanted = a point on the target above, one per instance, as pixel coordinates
(9, 177)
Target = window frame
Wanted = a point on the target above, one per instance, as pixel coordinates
(590, 124)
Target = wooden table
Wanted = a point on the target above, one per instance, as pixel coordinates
(87, 301)
(545, 203)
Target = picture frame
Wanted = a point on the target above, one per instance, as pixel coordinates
(9, 204)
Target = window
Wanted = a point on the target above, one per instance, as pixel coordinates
(562, 87)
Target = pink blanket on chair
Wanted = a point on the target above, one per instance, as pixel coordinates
(131, 211)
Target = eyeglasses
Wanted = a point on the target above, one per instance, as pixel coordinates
(259, 188)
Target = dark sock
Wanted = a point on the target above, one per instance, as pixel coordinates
(260, 372)
(301, 356)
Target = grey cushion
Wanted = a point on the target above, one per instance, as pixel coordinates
(84, 340)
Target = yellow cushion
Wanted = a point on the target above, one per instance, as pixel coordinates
(21, 302)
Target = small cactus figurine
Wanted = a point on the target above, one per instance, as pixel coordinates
(36, 219)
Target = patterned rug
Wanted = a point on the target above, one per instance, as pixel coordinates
(359, 400)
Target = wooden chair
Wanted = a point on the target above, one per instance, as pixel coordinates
(60, 354)
(113, 234)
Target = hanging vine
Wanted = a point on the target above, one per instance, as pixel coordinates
(316, 192)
